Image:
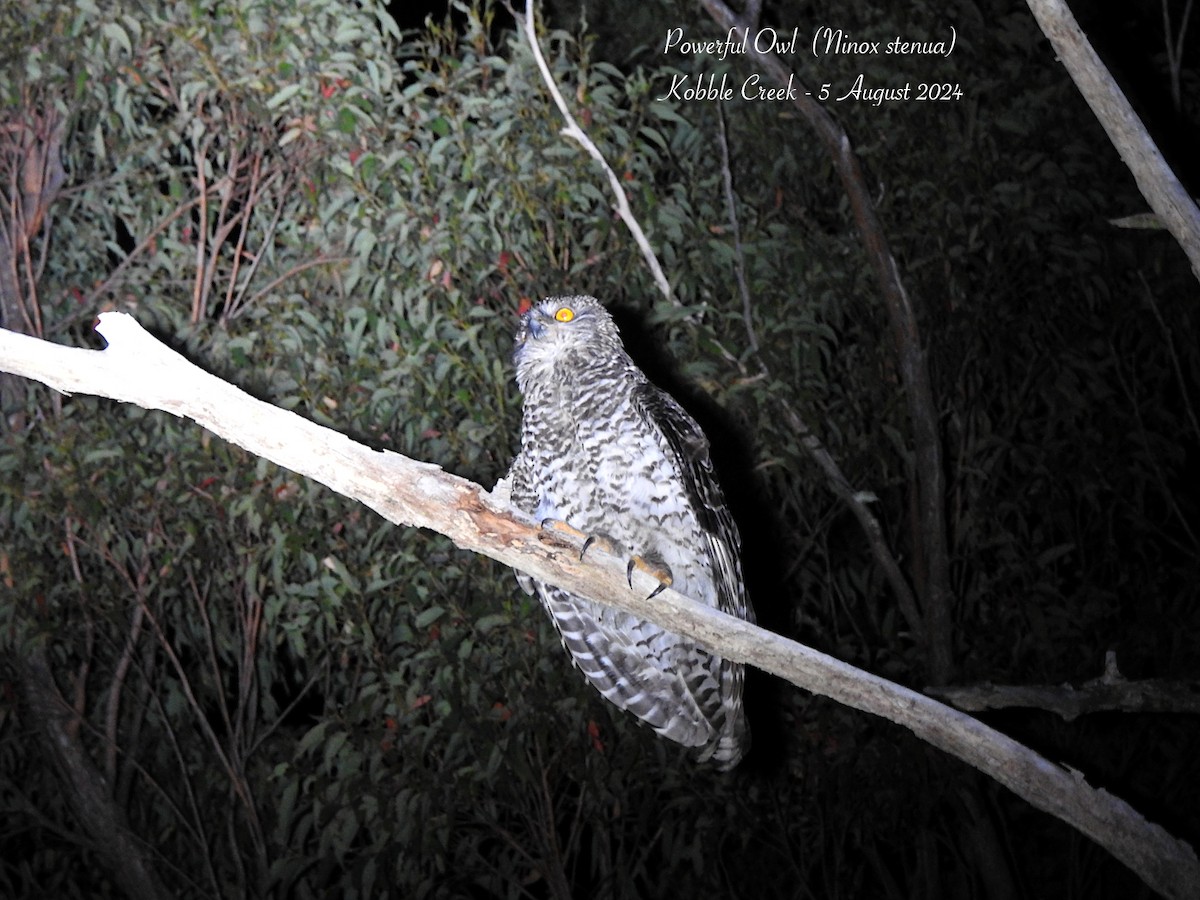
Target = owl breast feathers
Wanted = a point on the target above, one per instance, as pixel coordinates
(611, 455)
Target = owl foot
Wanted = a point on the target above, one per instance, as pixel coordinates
(561, 529)
(650, 564)
(656, 568)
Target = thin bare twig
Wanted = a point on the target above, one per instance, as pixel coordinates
(857, 502)
(300, 267)
(198, 296)
(739, 253)
(247, 214)
(1181, 383)
(1160, 476)
(92, 298)
(575, 133)
(116, 690)
(751, 14)
(1175, 50)
(236, 303)
(930, 538)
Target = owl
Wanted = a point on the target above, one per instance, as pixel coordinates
(607, 454)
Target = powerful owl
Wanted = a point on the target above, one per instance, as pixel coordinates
(614, 458)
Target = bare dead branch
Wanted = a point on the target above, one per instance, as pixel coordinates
(739, 252)
(1110, 692)
(1140, 154)
(137, 369)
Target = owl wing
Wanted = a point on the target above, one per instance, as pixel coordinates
(687, 443)
(635, 665)
(716, 683)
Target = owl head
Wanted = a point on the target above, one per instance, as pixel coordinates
(564, 338)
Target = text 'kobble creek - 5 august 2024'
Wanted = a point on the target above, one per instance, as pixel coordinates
(719, 83)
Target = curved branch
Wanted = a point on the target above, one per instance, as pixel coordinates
(931, 538)
(575, 133)
(138, 369)
(856, 502)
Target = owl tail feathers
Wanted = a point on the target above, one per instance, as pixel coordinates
(704, 712)
(730, 739)
(729, 747)
(719, 735)
(722, 749)
(717, 725)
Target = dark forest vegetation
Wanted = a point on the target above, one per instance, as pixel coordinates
(284, 696)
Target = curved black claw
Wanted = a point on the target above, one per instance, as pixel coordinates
(657, 569)
(560, 531)
(603, 541)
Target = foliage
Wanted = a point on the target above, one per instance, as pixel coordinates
(291, 699)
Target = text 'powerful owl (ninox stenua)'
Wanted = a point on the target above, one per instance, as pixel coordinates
(610, 455)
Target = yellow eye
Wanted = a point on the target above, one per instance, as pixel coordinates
(564, 314)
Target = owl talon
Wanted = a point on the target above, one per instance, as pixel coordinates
(603, 541)
(560, 532)
(658, 570)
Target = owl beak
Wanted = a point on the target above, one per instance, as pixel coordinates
(531, 327)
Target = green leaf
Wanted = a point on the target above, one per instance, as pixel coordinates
(487, 623)
(427, 617)
(347, 121)
(283, 95)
